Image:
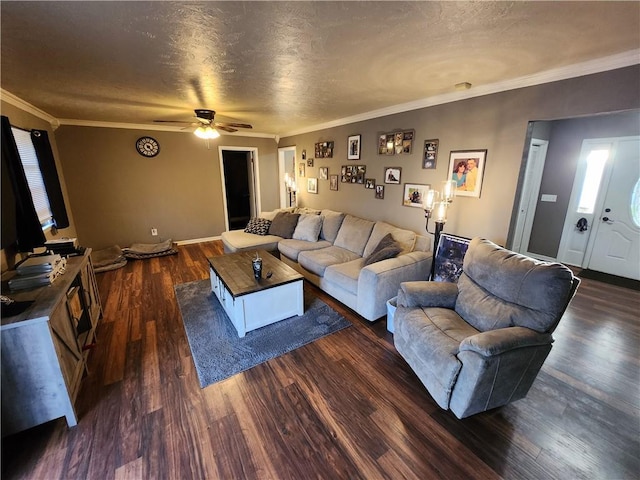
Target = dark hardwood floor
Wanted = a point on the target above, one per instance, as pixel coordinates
(345, 406)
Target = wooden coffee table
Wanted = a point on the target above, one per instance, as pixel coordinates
(252, 303)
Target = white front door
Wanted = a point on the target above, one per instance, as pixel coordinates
(606, 178)
(616, 248)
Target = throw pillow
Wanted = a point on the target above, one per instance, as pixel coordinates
(284, 224)
(308, 227)
(386, 248)
(258, 226)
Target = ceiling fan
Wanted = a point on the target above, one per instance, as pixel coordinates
(206, 127)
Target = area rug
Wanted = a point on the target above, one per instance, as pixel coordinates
(219, 353)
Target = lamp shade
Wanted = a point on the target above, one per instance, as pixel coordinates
(449, 190)
(440, 214)
(206, 132)
(430, 200)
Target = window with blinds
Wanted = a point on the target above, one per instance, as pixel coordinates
(34, 176)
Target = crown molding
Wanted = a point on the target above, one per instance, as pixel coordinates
(152, 127)
(27, 107)
(625, 59)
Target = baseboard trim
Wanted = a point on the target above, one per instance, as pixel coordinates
(196, 240)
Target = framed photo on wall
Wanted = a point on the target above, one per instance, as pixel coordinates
(333, 182)
(430, 154)
(323, 173)
(312, 185)
(370, 183)
(354, 147)
(392, 175)
(301, 169)
(414, 194)
(380, 192)
(466, 167)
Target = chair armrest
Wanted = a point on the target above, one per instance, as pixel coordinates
(497, 342)
(428, 294)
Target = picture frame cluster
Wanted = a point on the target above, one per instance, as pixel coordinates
(396, 143)
(466, 167)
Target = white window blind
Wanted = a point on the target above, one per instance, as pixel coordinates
(34, 176)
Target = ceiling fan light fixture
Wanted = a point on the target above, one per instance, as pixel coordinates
(206, 132)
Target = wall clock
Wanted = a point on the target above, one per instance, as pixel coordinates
(147, 146)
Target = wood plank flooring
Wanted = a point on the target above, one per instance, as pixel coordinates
(346, 406)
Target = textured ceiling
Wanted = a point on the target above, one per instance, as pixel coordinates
(287, 66)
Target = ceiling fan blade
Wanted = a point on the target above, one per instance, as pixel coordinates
(171, 121)
(225, 128)
(236, 125)
(203, 121)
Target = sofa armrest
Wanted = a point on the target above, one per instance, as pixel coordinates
(497, 342)
(380, 281)
(428, 294)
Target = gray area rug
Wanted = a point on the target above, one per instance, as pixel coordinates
(219, 353)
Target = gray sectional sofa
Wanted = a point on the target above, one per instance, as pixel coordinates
(336, 257)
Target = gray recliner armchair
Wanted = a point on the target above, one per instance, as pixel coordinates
(479, 344)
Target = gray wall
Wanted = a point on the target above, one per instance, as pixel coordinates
(498, 123)
(565, 143)
(117, 195)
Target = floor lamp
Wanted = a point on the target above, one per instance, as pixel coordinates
(291, 188)
(435, 206)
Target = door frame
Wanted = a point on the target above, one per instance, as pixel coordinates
(533, 177)
(254, 181)
(281, 171)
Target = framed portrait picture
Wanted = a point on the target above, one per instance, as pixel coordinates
(466, 167)
(370, 183)
(301, 169)
(309, 162)
(312, 185)
(380, 192)
(414, 194)
(354, 147)
(304, 154)
(323, 173)
(333, 182)
(430, 154)
(392, 175)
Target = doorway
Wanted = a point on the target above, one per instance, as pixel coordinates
(240, 185)
(286, 166)
(602, 225)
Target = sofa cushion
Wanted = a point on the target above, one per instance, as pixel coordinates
(429, 339)
(316, 261)
(345, 275)
(354, 234)
(239, 240)
(308, 227)
(387, 248)
(291, 248)
(284, 224)
(406, 238)
(331, 224)
(307, 211)
(259, 226)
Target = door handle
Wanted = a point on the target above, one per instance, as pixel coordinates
(607, 220)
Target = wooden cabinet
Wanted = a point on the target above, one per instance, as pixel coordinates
(45, 348)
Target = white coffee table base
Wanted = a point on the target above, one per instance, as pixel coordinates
(254, 310)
